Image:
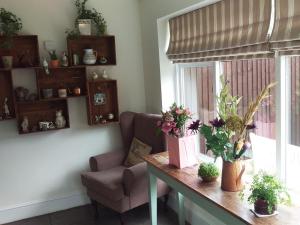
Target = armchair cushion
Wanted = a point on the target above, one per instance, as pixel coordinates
(107, 183)
(137, 150)
(107, 160)
(132, 175)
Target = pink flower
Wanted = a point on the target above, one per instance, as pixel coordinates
(187, 111)
(167, 127)
(176, 131)
(179, 111)
(158, 123)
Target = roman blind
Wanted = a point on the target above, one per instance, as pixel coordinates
(286, 32)
(229, 29)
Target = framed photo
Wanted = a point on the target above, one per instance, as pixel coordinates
(99, 99)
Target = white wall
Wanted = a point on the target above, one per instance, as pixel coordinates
(40, 167)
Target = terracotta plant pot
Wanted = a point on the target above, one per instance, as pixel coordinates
(232, 176)
(209, 179)
(7, 62)
(54, 63)
(261, 207)
(181, 151)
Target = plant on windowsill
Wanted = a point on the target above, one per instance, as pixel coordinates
(180, 142)
(10, 25)
(208, 172)
(227, 136)
(266, 192)
(54, 61)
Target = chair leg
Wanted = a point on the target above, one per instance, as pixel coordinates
(121, 217)
(166, 199)
(95, 209)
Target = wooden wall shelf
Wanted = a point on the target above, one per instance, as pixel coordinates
(39, 111)
(24, 50)
(6, 92)
(102, 101)
(104, 45)
(63, 77)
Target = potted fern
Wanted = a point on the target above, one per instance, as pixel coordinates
(266, 192)
(10, 25)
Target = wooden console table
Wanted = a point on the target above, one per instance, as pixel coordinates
(225, 206)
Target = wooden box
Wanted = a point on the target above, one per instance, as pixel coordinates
(102, 101)
(41, 111)
(24, 49)
(63, 77)
(103, 45)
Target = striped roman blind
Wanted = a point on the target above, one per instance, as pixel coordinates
(286, 32)
(229, 29)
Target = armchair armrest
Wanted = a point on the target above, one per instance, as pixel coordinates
(107, 160)
(134, 174)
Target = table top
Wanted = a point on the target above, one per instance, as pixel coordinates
(229, 201)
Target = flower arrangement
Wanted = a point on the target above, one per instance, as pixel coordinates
(227, 135)
(174, 121)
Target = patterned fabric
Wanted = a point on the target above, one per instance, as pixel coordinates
(286, 32)
(137, 150)
(224, 30)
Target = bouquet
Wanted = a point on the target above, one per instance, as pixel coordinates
(174, 121)
(227, 135)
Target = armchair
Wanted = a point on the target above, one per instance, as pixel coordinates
(112, 184)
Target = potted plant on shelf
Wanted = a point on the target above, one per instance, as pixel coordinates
(87, 18)
(266, 192)
(227, 136)
(208, 172)
(10, 25)
(54, 61)
(180, 142)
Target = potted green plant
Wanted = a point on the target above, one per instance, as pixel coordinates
(54, 62)
(208, 172)
(10, 25)
(227, 136)
(266, 192)
(86, 18)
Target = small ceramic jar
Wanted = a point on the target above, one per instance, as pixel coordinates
(77, 91)
(62, 93)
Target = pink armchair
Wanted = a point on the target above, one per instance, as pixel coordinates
(112, 184)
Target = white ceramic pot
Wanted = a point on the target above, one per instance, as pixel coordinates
(90, 57)
(85, 26)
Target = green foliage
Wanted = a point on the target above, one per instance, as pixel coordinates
(53, 55)
(208, 170)
(10, 25)
(269, 188)
(72, 34)
(96, 17)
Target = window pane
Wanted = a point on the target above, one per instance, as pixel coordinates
(293, 148)
(199, 94)
(247, 78)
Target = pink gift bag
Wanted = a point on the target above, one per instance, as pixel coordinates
(182, 151)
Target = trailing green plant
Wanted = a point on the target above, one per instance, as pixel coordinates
(92, 14)
(268, 188)
(208, 170)
(73, 34)
(53, 55)
(10, 25)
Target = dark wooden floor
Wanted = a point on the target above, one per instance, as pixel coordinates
(83, 216)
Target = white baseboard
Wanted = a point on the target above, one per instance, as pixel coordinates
(193, 213)
(32, 209)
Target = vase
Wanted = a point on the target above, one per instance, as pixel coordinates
(85, 26)
(90, 57)
(232, 173)
(7, 62)
(182, 151)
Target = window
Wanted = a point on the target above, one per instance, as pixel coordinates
(276, 141)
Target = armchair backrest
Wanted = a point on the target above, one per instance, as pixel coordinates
(143, 127)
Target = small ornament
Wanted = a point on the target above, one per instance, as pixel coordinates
(104, 75)
(103, 60)
(98, 118)
(25, 125)
(64, 60)
(110, 116)
(5, 108)
(46, 66)
(60, 121)
(95, 75)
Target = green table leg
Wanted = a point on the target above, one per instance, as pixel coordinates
(153, 198)
(181, 216)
